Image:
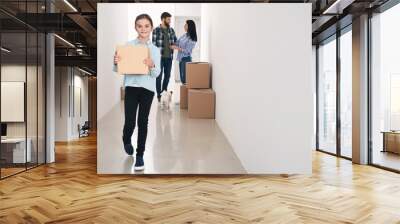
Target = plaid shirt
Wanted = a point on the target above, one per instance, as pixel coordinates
(158, 38)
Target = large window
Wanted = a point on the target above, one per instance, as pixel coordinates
(335, 74)
(327, 96)
(22, 88)
(385, 89)
(346, 93)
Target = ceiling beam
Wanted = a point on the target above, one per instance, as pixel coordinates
(84, 61)
(84, 24)
(337, 7)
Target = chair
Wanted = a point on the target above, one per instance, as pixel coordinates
(84, 130)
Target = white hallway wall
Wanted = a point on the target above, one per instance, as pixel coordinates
(264, 103)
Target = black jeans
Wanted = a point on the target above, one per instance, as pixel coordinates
(166, 65)
(137, 97)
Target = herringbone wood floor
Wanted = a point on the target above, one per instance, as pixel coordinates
(70, 191)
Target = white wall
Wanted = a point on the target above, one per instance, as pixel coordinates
(50, 94)
(264, 103)
(205, 33)
(81, 84)
(66, 121)
(118, 26)
(188, 9)
(14, 73)
(61, 104)
(314, 83)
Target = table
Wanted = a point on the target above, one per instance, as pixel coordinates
(391, 141)
(15, 148)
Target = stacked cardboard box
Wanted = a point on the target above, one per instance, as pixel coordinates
(197, 95)
(198, 75)
(201, 103)
(184, 97)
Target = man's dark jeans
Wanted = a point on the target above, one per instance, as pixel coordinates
(137, 97)
(166, 65)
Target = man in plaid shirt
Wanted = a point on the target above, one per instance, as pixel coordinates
(164, 38)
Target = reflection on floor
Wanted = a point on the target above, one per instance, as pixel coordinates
(346, 152)
(386, 159)
(175, 145)
(14, 168)
(10, 171)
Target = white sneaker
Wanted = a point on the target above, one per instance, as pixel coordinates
(139, 164)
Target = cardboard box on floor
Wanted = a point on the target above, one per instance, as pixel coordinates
(201, 103)
(198, 75)
(132, 58)
(184, 97)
